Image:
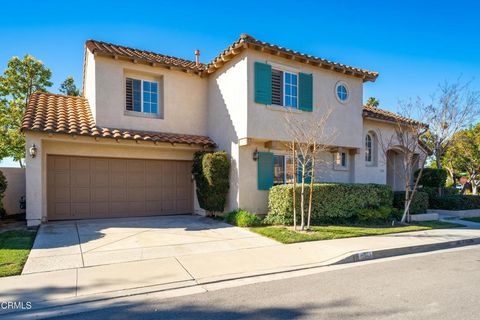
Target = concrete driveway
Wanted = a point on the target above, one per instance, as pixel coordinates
(87, 243)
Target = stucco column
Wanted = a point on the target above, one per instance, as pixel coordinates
(34, 182)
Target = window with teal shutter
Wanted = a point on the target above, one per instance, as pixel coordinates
(305, 99)
(308, 173)
(263, 83)
(265, 170)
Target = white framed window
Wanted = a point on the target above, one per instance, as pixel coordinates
(290, 96)
(282, 169)
(284, 88)
(141, 96)
(368, 148)
(342, 92)
(341, 160)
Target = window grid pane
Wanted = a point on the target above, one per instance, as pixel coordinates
(150, 97)
(290, 90)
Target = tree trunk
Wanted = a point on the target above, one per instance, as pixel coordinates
(20, 163)
(294, 187)
(302, 199)
(312, 178)
(438, 156)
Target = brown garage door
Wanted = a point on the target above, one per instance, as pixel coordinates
(83, 187)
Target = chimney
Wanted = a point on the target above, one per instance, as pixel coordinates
(197, 57)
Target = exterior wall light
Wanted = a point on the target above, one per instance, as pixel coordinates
(33, 151)
(255, 155)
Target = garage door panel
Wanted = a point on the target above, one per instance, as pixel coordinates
(118, 194)
(99, 194)
(80, 194)
(82, 187)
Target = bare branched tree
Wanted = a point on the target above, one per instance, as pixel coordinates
(309, 138)
(454, 107)
(407, 141)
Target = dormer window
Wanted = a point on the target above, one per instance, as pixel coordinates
(141, 96)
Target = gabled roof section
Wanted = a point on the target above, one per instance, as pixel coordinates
(384, 115)
(55, 113)
(244, 42)
(117, 51)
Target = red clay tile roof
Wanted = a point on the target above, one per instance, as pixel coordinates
(54, 113)
(248, 41)
(245, 41)
(380, 114)
(142, 55)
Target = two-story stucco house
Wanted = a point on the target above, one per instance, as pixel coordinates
(126, 146)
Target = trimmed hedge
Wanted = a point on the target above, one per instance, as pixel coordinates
(332, 202)
(3, 187)
(211, 173)
(242, 218)
(435, 178)
(378, 215)
(455, 202)
(419, 202)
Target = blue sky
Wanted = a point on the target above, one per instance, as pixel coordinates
(414, 45)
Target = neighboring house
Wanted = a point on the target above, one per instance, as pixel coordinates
(126, 147)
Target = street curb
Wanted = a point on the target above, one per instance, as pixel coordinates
(170, 290)
(394, 252)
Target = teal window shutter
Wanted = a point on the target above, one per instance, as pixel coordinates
(308, 174)
(265, 170)
(263, 83)
(305, 98)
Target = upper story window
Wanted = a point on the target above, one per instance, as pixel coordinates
(368, 148)
(341, 91)
(284, 88)
(141, 96)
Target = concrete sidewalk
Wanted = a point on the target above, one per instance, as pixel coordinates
(106, 281)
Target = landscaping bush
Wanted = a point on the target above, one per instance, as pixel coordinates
(435, 178)
(331, 203)
(455, 202)
(3, 187)
(378, 215)
(419, 202)
(211, 172)
(242, 218)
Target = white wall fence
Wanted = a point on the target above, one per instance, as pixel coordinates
(16, 188)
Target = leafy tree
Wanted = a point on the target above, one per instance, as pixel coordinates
(373, 102)
(21, 78)
(453, 108)
(463, 155)
(69, 88)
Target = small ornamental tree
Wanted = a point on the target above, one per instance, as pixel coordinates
(211, 173)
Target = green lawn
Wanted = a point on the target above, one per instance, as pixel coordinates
(284, 235)
(475, 219)
(14, 249)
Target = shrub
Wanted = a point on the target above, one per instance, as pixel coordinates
(435, 178)
(419, 202)
(455, 202)
(211, 172)
(242, 218)
(378, 215)
(3, 187)
(332, 202)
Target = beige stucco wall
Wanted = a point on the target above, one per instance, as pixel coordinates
(15, 189)
(89, 91)
(267, 122)
(227, 117)
(36, 179)
(183, 97)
